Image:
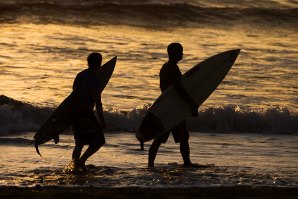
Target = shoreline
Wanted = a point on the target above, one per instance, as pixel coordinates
(232, 192)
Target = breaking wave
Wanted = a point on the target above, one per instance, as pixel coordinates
(17, 117)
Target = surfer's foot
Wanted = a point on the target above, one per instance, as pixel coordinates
(150, 165)
(192, 165)
(80, 166)
(76, 167)
(188, 164)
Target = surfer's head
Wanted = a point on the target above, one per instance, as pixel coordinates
(94, 60)
(175, 51)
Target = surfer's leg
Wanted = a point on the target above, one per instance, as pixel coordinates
(184, 145)
(154, 148)
(184, 150)
(153, 151)
(77, 152)
(73, 166)
(93, 148)
(94, 137)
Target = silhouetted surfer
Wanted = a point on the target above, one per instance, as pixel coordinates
(170, 74)
(87, 130)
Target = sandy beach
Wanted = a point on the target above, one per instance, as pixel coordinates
(231, 192)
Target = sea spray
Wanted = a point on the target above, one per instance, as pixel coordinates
(125, 120)
(237, 119)
(17, 117)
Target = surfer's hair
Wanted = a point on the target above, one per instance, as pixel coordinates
(173, 48)
(93, 59)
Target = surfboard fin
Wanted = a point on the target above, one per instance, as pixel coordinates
(56, 139)
(37, 150)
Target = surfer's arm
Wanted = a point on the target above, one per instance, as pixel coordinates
(99, 110)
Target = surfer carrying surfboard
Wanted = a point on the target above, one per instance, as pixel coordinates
(87, 130)
(171, 74)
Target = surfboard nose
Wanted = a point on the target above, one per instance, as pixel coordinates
(237, 51)
(234, 55)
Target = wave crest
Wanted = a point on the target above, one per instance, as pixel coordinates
(145, 14)
(237, 119)
(16, 116)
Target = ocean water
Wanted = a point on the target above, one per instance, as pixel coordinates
(225, 159)
(44, 44)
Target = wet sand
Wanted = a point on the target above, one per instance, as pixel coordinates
(231, 192)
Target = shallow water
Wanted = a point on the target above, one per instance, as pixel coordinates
(225, 159)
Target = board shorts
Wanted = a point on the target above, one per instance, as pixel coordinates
(176, 133)
(87, 130)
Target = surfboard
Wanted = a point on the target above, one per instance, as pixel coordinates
(60, 120)
(199, 83)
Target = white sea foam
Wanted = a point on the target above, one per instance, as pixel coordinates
(16, 117)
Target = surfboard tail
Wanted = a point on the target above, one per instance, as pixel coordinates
(150, 127)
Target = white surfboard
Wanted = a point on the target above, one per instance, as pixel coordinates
(199, 82)
(60, 119)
